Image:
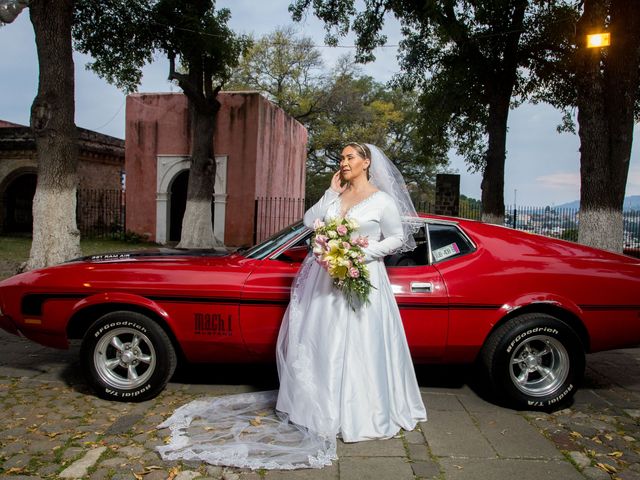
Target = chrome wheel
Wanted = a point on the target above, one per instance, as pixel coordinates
(539, 366)
(124, 358)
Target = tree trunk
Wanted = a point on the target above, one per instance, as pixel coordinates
(197, 228)
(493, 174)
(499, 85)
(55, 234)
(607, 89)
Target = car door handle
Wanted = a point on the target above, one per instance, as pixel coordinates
(421, 287)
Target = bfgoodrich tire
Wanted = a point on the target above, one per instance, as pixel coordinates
(534, 361)
(127, 357)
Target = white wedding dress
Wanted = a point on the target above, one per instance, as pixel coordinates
(342, 372)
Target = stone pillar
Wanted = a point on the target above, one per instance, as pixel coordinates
(447, 194)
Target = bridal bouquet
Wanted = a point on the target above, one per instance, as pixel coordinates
(343, 258)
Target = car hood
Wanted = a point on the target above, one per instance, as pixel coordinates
(155, 253)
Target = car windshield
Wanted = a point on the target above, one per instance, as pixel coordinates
(265, 248)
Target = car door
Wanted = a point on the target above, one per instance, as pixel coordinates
(265, 297)
(422, 298)
(452, 255)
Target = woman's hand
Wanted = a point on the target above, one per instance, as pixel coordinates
(336, 183)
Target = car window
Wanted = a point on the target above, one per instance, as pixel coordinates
(296, 252)
(417, 256)
(262, 250)
(447, 241)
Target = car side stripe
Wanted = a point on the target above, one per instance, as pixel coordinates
(608, 307)
(225, 300)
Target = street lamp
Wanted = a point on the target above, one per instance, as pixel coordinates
(597, 40)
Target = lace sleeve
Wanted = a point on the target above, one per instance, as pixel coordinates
(320, 208)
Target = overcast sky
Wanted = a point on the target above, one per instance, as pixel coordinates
(542, 166)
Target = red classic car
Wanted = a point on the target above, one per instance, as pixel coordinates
(523, 307)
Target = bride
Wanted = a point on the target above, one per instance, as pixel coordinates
(343, 372)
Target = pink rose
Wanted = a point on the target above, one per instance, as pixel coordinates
(346, 245)
(354, 272)
(362, 241)
(321, 240)
(318, 224)
(342, 230)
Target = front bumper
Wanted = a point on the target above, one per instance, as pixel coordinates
(6, 323)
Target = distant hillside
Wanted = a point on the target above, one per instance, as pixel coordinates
(631, 202)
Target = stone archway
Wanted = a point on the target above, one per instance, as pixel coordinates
(169, 167)
(16, 201)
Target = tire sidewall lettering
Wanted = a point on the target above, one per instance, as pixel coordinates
(123, 394)
(119, 323)
(528, 333)
(551, 402)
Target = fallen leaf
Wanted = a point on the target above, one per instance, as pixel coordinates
(15, 470)
(616, 454)
(151, 468)
(606, 467)
(53, 434)
(608, 437)
(459, 467)
(173, 473)
(139, 476)
(256, 422)
(575, 435)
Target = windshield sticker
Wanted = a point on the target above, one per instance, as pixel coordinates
(445, 252)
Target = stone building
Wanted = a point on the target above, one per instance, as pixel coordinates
(259, 150)
(100, 167)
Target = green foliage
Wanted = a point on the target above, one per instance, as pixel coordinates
(469, 59)
(119, 35)
(336, 106)
(285, 69)
(123, 35)
(570, 234)
(470, 208)
(198, 35)
(555, 63)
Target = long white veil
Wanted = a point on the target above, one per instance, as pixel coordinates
(384, 175)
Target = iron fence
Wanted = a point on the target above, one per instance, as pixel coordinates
(101, 213)
(274, 213)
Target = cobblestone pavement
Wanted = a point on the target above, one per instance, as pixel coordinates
(52, 426)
